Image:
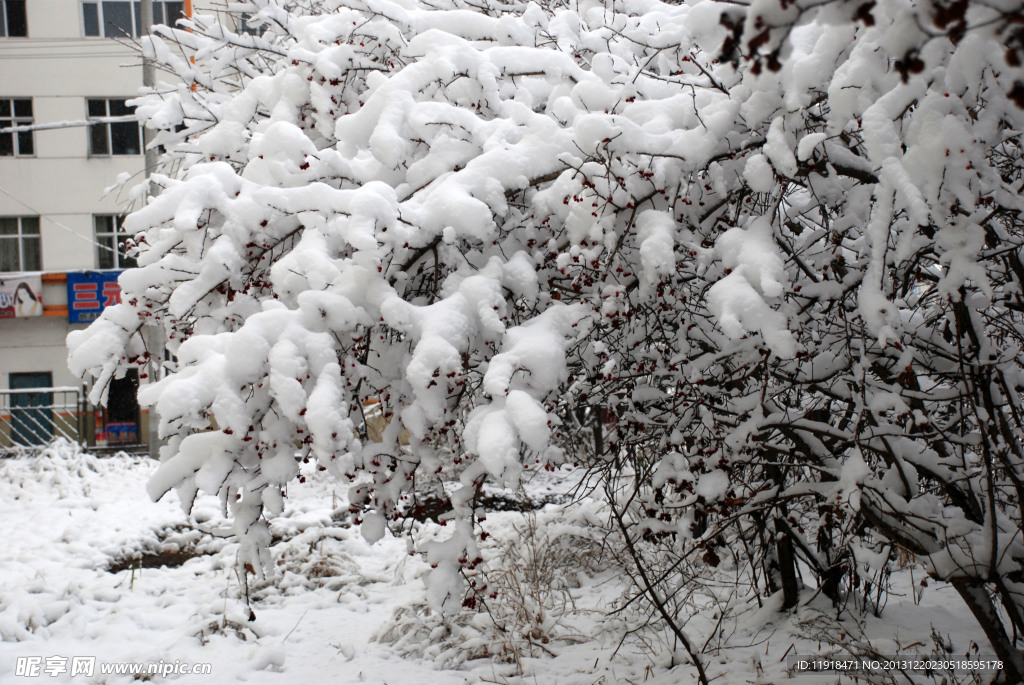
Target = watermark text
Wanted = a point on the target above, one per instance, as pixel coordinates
(88, 666)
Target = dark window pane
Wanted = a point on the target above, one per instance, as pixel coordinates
(122, 405)
(117, 19)
(97, 108)
(105, 251)
(174, 11)
(9, 255)
(23, 107)
(5, 105)
(91, 19)
(125, 138)
(118, 108)
(32, 259)
(158, 13)
(6, 141)
(25, 144)
(8, 226)
(138, 18)
(126, 262)
(30, 226)
(17, 25)
(98, 144)
(3, 20)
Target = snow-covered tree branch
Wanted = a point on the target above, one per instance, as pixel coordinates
(756, 267)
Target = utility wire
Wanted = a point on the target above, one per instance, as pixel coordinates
(57, 223)
(25, 128)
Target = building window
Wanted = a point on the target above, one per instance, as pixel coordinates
(16, 112)
(113, 138)
(120, 18)
(244, 19)
(110, 239)
(12, 19)
(20, 248)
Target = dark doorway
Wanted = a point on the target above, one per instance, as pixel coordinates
(31, 412)
(123, 410)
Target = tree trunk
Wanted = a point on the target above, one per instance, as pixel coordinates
(980, 604)
(787, 568)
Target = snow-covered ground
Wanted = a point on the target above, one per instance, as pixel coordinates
(338, 609)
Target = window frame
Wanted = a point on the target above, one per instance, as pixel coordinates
(106, 29)
(108, 129)
(242, 24)
(9, 118)
(19, 238)
(113, 230)
(5, 21)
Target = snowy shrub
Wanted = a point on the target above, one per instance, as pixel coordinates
(533, 573)
(521, 604)
(755, 266)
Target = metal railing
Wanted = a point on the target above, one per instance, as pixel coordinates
(32, 417)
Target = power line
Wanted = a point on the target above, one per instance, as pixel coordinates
(67, 55)
(53, 221)
(121, 118)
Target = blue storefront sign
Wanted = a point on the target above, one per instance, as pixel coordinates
(122, 433)
(90, 292)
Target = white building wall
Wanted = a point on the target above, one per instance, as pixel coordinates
(37, 344)
(60, 68)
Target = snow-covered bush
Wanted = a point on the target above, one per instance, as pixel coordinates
(522, 603)
(755, 266)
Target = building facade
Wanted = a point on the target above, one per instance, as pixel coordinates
(67, 69)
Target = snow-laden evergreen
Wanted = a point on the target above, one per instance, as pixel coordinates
(755, 266)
